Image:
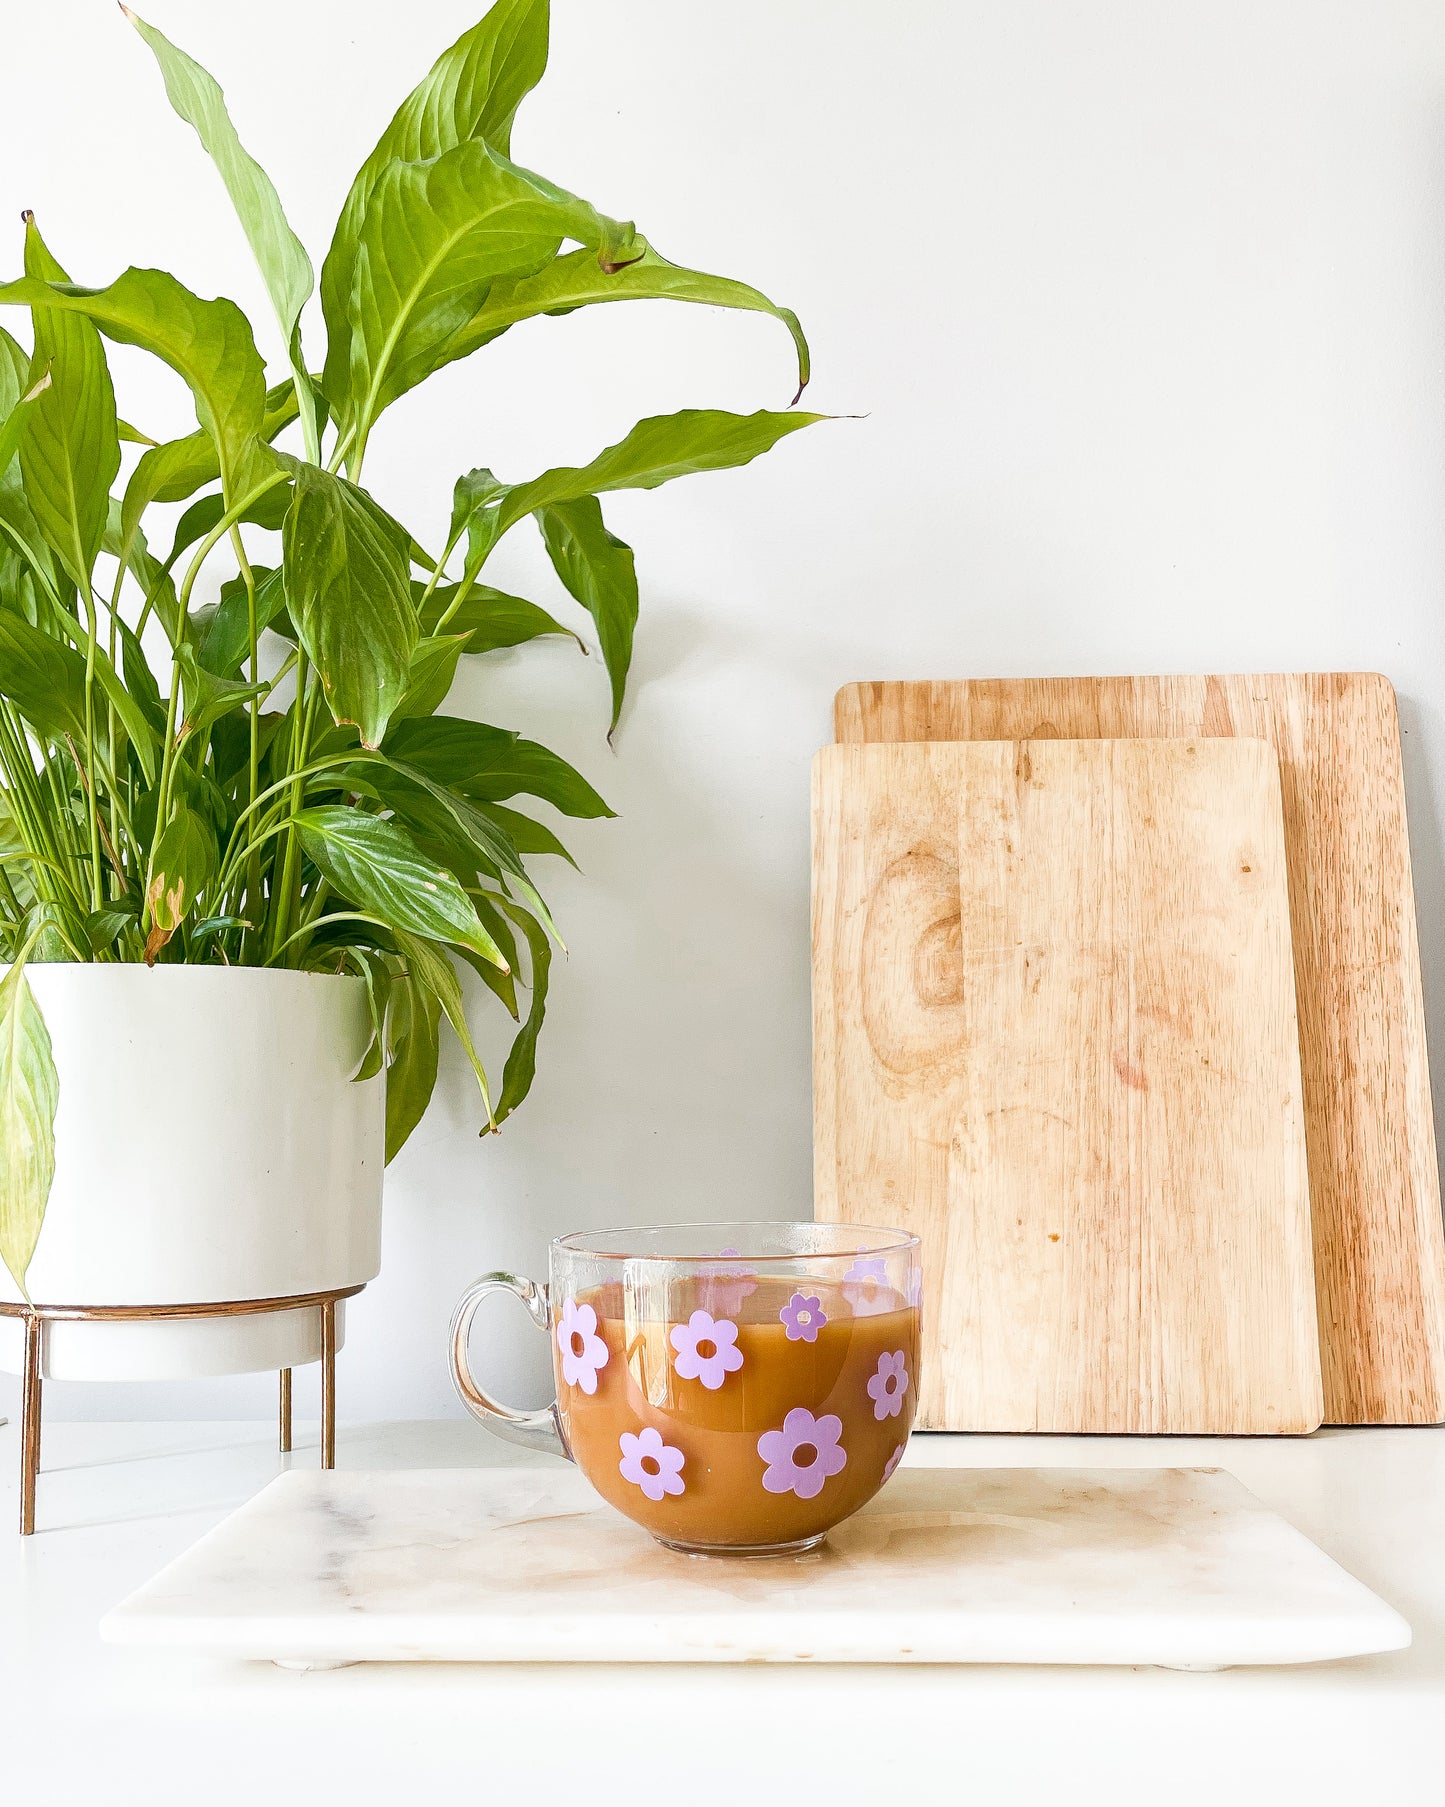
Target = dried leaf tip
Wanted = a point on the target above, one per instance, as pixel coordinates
(27, 216)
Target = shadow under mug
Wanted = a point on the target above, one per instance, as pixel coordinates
(734, 1388)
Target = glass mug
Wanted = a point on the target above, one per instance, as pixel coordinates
(735, 1389)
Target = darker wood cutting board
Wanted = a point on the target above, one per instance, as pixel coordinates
(1054, 1034)
(1374, 1183)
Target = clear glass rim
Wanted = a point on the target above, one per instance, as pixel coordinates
(867, 1240)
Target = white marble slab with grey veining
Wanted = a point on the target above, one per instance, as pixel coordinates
(1177, 1567)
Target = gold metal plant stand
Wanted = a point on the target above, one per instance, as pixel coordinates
(35, 1316)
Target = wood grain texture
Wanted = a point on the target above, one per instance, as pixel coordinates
(1374, 1181)
(1055, 1034)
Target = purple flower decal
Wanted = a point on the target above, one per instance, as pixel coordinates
(893, 1461)
(650, 1464)
(583, 1351)
(723, 1289)
(802, 1318)
(865, 1286)
(888, 1385)
(707, 1349)
(803, 1454)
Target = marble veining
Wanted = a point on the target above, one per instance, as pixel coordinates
(1179, 1567)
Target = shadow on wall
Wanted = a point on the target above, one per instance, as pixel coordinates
(675, 1073)
(1419, 725)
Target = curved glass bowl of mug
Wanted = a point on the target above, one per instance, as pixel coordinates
(736, 1389)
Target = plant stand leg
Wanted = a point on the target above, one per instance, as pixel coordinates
(328, 1383)
(30, 1426)
(285, 1411)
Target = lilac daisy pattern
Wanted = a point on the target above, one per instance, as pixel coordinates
(707, 1349)
(802, 1318)
(651, 1464)
(865, 1286)
(888, 1385)
(893, 1461)
(803, 1454)
(583, 1352)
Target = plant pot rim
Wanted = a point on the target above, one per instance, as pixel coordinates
(170, 974)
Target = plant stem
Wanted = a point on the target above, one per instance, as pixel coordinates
(253, 763)
(168, 754)
(352, 756)
(281, 895)
(92, 807)
(29, 810)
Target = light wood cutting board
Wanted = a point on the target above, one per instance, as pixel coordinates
(1374, 1182)
(1054, 1033)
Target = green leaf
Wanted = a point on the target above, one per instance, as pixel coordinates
(379, 868)
(348, 589)
(467, 835)
(43, 678)
(15, 364)
(491, 764)
(433, 669)
(183, 864)
(490, 619)
(521, 1067)
(46, 681)
(153, 578)
(598, 570)
(474, 495)
(376, 969)
(655, 451)
(102, 927)
(526, 834)
(207, 696)
(208, 343)
(576, 280)
(472, 92)
(169, 473)
(413, 1020)
(13, 429)
(268, 511)
(29, 1097)
(285, 267)
(430, 967)
(70, 453)
(129, 710)
(448, 827)
(433, 239)
(222, 630)
(18, 525)
(56, 932)
(175, 471)
(502, 985)
(213, 925)
(140, 680)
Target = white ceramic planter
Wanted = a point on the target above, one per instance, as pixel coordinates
(210, 1145)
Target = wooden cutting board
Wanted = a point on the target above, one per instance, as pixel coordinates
(1374, 1182)
(1054, 1034)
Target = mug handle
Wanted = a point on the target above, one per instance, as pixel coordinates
(533, 1430)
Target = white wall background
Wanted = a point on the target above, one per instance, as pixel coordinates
(1142, 308)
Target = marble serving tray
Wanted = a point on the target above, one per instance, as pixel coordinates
(1178, 1567)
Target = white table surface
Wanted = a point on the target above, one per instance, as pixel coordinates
(82, 1722)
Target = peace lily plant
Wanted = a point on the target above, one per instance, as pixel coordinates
(176, 788)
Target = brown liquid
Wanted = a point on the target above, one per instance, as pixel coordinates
(724, 1501)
